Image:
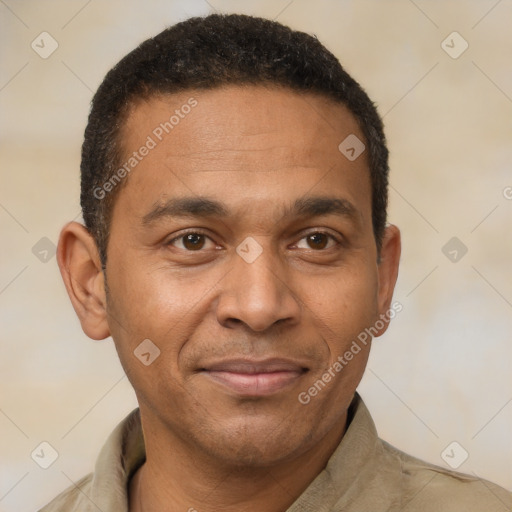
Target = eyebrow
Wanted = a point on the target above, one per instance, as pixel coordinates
(204, 207)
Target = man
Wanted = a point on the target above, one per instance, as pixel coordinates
(234, 192)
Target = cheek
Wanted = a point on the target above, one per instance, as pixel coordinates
(345, 304)
(343, 309)
(151, 319)
(156, 304)
(153, 301)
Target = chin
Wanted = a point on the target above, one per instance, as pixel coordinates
(250, 455)
(251, 446)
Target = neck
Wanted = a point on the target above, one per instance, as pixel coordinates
(182, 479)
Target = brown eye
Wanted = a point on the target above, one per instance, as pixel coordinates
(317, 240)
(193, 241)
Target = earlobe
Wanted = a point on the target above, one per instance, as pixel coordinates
(388, 270)
(80, 267)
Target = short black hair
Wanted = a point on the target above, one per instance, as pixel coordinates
(206, 53)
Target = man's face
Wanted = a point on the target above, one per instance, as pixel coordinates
(252, 296)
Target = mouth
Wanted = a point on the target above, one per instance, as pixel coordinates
(250, 378)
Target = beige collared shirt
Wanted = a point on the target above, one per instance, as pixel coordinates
(364, 474)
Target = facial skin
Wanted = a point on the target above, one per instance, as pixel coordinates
(216, 436)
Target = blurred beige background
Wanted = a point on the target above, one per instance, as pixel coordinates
(442, 371)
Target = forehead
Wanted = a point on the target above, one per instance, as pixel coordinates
(240, 142)
(240, 116)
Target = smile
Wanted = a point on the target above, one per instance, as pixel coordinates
(255, 379)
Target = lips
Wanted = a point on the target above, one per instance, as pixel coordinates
(251, 378)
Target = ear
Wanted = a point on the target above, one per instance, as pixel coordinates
(80, 267)
(388, 271)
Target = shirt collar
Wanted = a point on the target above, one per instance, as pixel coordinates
(124, 452)
(346, 465)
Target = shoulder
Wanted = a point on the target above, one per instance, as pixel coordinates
(73, 499)
(106, 488)
(427, 487)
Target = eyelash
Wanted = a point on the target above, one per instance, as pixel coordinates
(201, 232)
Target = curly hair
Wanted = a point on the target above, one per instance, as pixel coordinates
(206, 53)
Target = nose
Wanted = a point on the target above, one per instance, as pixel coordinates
(258, 293)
